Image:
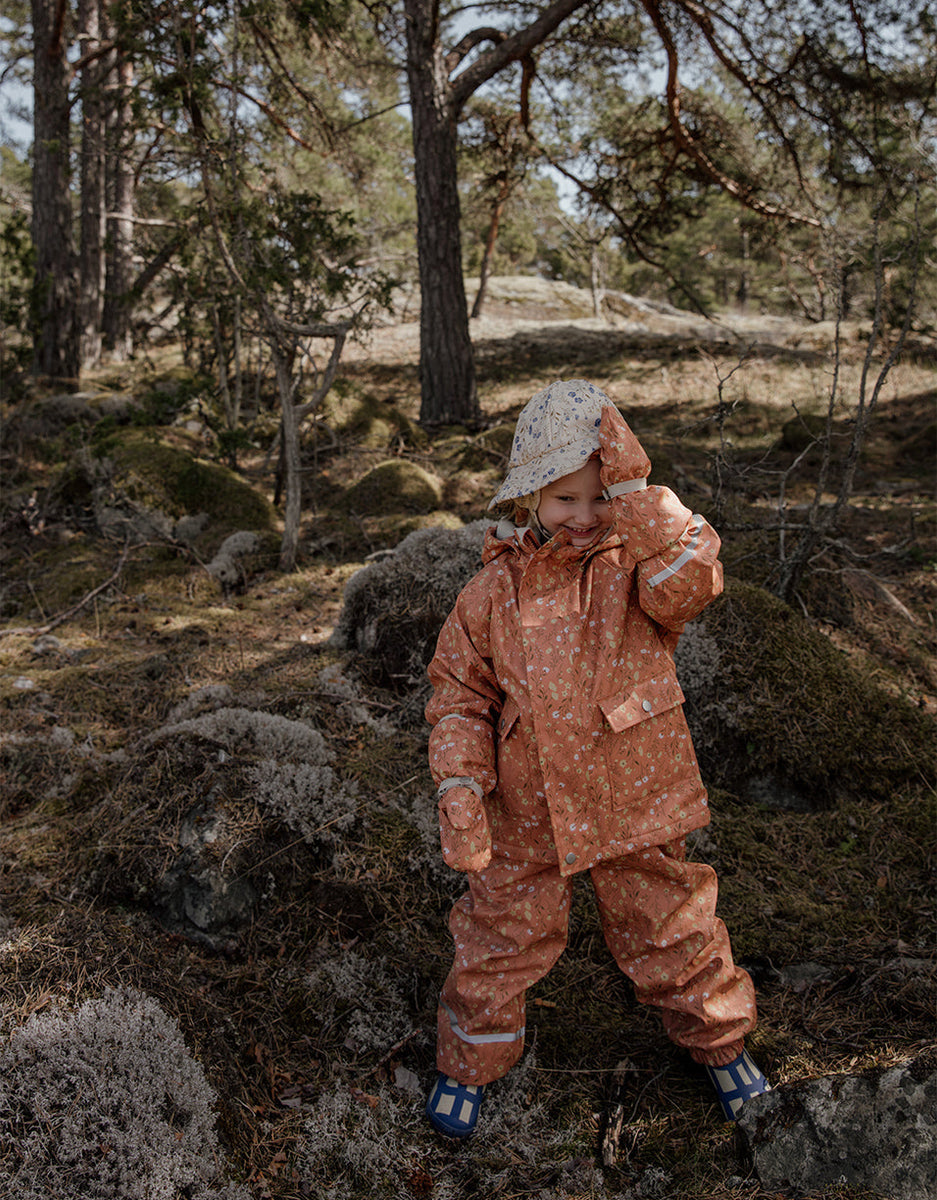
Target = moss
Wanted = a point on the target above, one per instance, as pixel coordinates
(159, 475)
(369, 420)
(394, 486)
(491, 447)
(804, 710)
(795, 886)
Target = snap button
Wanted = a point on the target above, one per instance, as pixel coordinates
(646, 705)
(570, 858)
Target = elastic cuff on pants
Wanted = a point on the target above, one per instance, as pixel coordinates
(720, 1056)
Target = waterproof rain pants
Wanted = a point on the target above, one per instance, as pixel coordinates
(658, 918)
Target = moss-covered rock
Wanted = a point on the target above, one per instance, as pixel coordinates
(394, 486)
(788, 717)
(369, 420)
(148, 470)
(492, 447)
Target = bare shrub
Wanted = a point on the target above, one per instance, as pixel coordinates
(106, 1103)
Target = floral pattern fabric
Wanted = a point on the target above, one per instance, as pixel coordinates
(657, 914)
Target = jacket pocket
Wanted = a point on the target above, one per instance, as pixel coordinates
(648, 698)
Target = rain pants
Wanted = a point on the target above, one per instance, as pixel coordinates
(555, 693)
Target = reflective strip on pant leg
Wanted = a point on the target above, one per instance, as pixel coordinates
(479, 1039)
(685, 556)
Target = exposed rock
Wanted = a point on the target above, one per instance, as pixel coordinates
(770, 791)
(47, 416)
(196, 896)
(877, 1130)
(134, 523)
(800, 977)
(394, 607)
(229, 566)
(190, 527)
(119, 406)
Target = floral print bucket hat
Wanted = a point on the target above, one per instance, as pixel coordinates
(557, 432)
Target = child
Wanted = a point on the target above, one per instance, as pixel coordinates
(559, 745)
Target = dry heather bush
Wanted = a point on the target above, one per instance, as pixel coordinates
(335, 685)
(290, 774)
(106, 1103)
(210, 698)
(228, 565)
(697, 659)
(375, 1143)
(393, 608)
(376, 1010)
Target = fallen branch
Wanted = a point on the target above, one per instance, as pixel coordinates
(39, 630)
(616, 1119)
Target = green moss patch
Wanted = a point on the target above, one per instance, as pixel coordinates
(370, 421)
(394, 486)
(158, 475)
(800, 709)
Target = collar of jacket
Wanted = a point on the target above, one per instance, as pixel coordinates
(556, 579)
(523, 542)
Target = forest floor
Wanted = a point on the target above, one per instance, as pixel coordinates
(314, 1018)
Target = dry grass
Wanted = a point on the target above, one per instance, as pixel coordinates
(831, 910)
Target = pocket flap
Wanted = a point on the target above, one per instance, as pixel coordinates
(646, 699)
(508, 719)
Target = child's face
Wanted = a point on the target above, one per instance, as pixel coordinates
(575, 503)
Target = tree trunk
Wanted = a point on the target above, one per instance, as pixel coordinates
(289, 456)
(93, 194)
(55, 296)
(447, 364)
(741, 291)
(118, 310)
(595, 281)
(494, 224)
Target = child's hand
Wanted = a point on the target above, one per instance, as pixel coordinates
(622, 455)
(464, 830)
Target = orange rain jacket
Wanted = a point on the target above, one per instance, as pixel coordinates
(555, 689)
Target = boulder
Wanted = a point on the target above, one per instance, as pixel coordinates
(876, 1130)
(394, 486)
(196, 896)
(394, 607)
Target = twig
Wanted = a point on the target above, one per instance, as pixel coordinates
(393, 1050)
(39, 630)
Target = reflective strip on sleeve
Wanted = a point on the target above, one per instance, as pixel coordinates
(480, 1039)
(625, 488)
(688, 553)
(460, 781)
